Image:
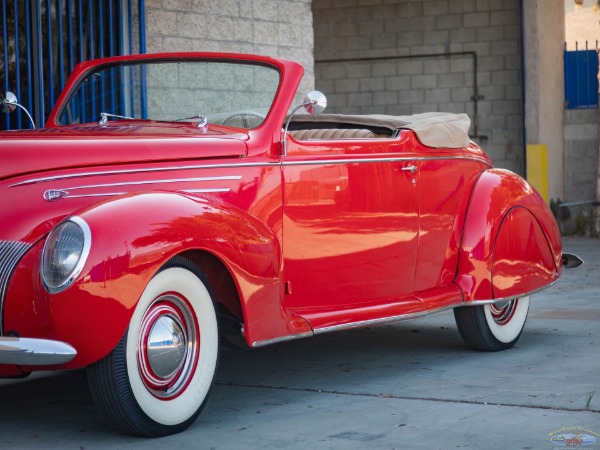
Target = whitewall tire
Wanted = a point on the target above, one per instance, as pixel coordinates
(492, 327)
(157, 380)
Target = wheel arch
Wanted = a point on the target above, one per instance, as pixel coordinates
(508, 227)
(134, 236)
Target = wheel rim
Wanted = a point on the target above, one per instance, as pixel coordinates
(506, 320)
(168, 346)
(503, 312)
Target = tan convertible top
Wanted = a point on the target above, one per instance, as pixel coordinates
(434, 129)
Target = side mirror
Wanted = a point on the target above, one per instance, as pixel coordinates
(314, 103)
(9, 104)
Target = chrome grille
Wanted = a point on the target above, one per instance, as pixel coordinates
(10, 254)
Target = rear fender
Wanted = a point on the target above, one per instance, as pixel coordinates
(133, 236)
(510, 243)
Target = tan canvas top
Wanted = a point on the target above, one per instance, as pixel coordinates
(434, 129)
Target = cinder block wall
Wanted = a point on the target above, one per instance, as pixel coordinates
(581, 153)
(281, 28)
(416, 83)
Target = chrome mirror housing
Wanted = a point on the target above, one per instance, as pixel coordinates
(9, 104)
(314, 103)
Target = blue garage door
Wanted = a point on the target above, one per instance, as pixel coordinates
(42, 40)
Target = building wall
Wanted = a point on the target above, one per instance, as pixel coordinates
(582, 24)
(280, 28)
(544, 75)
(415, 83)
(581, 153)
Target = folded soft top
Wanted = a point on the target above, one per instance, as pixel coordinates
(433, 129)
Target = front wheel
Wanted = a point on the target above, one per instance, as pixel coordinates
(157, 380)
(492, 327)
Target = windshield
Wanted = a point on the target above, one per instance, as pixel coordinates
(229, 93)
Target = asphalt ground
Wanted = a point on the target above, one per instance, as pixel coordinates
(411, 385)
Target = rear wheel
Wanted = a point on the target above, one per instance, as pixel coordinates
(157, 380)
(492, 327)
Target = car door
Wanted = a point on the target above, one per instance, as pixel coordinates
(350, 229)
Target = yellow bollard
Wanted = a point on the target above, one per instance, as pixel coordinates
(537, 168)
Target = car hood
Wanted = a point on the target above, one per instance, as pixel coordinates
(31, 151)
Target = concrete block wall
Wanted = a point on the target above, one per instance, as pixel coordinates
(581, 154)
(280, 28)
(413, 83)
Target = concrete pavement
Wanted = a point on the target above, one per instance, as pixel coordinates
(410, 385)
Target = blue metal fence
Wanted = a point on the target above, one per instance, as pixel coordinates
(42, 40)
(581, 78)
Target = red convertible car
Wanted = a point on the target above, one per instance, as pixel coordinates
(173, 199)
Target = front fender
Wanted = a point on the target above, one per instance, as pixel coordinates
(133, 236)
(510, 242)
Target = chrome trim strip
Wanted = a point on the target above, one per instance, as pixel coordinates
(507, 299)
(257, 164)
(10, 255)
(112, 194)
(382, 160)
(204, 191)
(138, 183)
(36, 352)
(277, 340)
(145, 170)
(104, 194)
(382, 320)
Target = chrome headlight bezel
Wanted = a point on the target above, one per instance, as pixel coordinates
(67, 273)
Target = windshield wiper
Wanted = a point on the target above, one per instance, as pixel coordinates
(203, 120)
(104, 118)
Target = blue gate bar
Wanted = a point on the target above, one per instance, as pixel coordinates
(5, 59)
(29, 58)
(101, 54)
(61, 48)
(82, 113)
(70, 28)
(17, 62)
(92, 55)
(38, 63)
(142, 32)
(111, 50)
(50, 54)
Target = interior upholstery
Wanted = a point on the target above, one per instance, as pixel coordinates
(334, 133)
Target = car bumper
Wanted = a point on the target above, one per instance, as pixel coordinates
(34, 352)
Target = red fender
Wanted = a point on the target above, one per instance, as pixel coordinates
(510, 243)
(132, 237)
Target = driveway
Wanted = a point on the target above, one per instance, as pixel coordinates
(411, 385)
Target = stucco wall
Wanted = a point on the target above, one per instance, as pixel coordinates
(281, 28)
(544, 100)
(413, 84)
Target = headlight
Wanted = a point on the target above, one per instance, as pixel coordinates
(64, 255)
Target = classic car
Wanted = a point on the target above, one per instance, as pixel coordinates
(174, 199)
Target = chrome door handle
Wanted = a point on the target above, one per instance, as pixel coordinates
(412, 169)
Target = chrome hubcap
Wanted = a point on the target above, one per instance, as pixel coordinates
(168, 346)
(503, 312)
